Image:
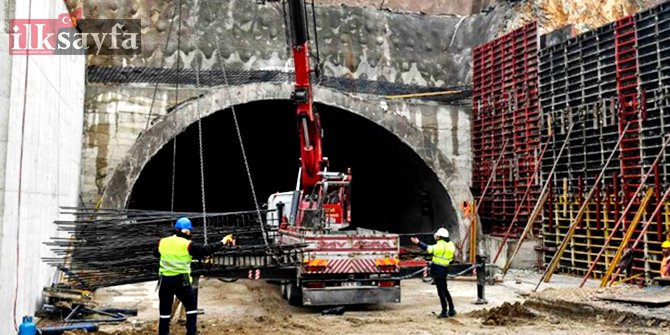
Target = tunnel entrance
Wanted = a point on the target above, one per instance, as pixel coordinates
(392, 188)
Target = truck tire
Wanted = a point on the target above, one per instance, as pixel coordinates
(228, 280)
(293, 294)
(283, 291)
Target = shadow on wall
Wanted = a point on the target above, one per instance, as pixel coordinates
(392, 188)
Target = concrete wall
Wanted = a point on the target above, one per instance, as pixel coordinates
(116, 145)
(115, 117)
(526, 257)
(40, 153)
(447, 127)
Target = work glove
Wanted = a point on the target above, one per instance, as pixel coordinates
(228, 240)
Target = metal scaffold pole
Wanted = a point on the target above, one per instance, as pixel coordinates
(645, 227)
(540, 203)
(629, 233)
(625, 212)
(546, 276)
(481, 198)
(523, 199)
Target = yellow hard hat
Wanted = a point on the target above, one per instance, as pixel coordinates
(666, 245)
(228, 238)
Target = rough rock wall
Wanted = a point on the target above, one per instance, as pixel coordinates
(429, 7)
(354, 42)
(377, 45)
(435, 7)
(584, 15)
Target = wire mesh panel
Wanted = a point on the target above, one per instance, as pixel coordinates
(113, 247)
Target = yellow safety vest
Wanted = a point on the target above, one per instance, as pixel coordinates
(175, 259)
(443, 252)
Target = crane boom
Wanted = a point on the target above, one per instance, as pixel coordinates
(320, 212)
(309, 126)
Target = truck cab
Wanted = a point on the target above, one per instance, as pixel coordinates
(340, 265)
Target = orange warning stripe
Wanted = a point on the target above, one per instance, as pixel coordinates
(387, 262)
(317, 262)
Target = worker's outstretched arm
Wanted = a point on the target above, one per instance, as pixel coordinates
(156, 253)
(201, 250)
(421, 245)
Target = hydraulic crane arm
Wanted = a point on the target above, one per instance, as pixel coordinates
(309, 126)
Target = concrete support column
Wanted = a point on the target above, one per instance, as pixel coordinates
(41, 99)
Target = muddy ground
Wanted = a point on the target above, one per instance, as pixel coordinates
(255, 307)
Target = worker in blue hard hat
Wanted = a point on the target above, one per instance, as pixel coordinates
(176, 253)
(443, 253)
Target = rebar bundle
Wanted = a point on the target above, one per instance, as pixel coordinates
(110, 247)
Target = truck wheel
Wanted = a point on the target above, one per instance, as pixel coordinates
(283, 291)
(228, 280)
(293, 294)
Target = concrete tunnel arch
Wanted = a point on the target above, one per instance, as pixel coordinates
(148, 145)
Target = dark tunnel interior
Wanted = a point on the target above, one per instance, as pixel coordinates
(392, 188)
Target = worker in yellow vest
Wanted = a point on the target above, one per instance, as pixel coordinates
(467, 210)
(176, 253)
(665, 261)
(443, 253)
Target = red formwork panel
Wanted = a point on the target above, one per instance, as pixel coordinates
(506, 111)
(627, 73)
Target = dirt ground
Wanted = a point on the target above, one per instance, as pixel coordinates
(253, 307)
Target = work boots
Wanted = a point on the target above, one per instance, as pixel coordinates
(446, 314)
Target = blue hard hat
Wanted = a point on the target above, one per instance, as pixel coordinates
(183, 223)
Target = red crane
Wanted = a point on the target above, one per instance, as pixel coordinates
(309, 126)
(333, 199)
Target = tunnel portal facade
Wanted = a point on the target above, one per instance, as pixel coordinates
(406, 182)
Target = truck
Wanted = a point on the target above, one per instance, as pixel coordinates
(340, 265)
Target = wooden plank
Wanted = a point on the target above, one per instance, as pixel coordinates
(629, 234)
(546, 276)
(661, 281)
(650, 297)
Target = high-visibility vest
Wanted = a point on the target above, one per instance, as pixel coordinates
(466, 209)
(442, 251)
(175, 258)
(665, 266)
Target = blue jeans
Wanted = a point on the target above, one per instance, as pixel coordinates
(439, 274)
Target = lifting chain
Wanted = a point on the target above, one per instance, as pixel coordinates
(202, 163)
(167, 43)
(174, 169)
(244, 154)
(176, 102)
